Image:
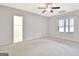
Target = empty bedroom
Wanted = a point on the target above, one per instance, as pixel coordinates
(39, 29)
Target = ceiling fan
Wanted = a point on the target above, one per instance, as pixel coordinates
(48, 7)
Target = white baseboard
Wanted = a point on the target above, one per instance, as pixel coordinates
(65, 39)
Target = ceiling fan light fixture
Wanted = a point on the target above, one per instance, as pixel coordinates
(48, 9)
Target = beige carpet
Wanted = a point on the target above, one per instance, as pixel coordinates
(41, 47)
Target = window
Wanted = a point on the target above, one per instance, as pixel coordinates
(71, 25)
(61, 25)
(18, 27)
(66, 25)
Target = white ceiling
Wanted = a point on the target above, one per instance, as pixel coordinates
(33, 7)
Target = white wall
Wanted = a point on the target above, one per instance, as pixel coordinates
(53, 26)
(35, 26)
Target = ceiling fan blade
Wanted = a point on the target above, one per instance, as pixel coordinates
(51, 10)
(55, 7)
(43, 11)
(41, 7)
